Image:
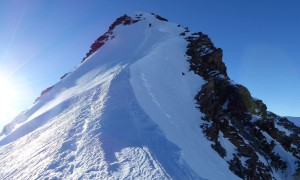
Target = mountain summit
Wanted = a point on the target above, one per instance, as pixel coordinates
(150, 100)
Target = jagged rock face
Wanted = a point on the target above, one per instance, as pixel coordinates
(232, 113)
(206, 60)
(159, 17)
(263, 144)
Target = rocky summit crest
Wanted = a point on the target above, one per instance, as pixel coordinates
(117, 115)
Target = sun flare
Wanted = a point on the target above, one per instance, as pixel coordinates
(7, 95)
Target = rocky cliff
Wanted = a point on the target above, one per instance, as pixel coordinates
(232, 113)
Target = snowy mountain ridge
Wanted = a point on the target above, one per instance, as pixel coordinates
(150, 100)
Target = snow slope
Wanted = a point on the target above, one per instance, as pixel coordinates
(126, 112)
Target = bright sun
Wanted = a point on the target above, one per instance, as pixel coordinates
(11, 99)
(7, 96)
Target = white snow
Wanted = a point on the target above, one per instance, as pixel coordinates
(228, 146)
(255, 118)
(281, 128)
(286, 156)
(162, 91)
(225, 105)
(126, 112)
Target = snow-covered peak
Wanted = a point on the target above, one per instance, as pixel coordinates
(150, 100)
(127, 111)
(142, 20)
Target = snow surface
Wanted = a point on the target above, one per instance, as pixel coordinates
(126, 112)
(286, 156)
(228, 146)
(281, 128)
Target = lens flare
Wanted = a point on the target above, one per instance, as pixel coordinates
(7, 97)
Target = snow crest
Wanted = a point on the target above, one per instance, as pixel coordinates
(126, 112)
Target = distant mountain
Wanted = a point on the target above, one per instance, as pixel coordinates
(150, 100)
(295, 120)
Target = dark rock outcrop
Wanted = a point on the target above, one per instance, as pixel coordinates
(125, 20)
(159, 17)
(42, 93)
(65, 75)
(231, 112)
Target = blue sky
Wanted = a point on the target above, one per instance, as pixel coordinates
(41, 40)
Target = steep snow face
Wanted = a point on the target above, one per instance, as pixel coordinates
(127, 111)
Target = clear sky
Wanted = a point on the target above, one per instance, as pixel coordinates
(40, 40)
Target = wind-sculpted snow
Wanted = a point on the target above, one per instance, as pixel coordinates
(129, 111)
(126, 112)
